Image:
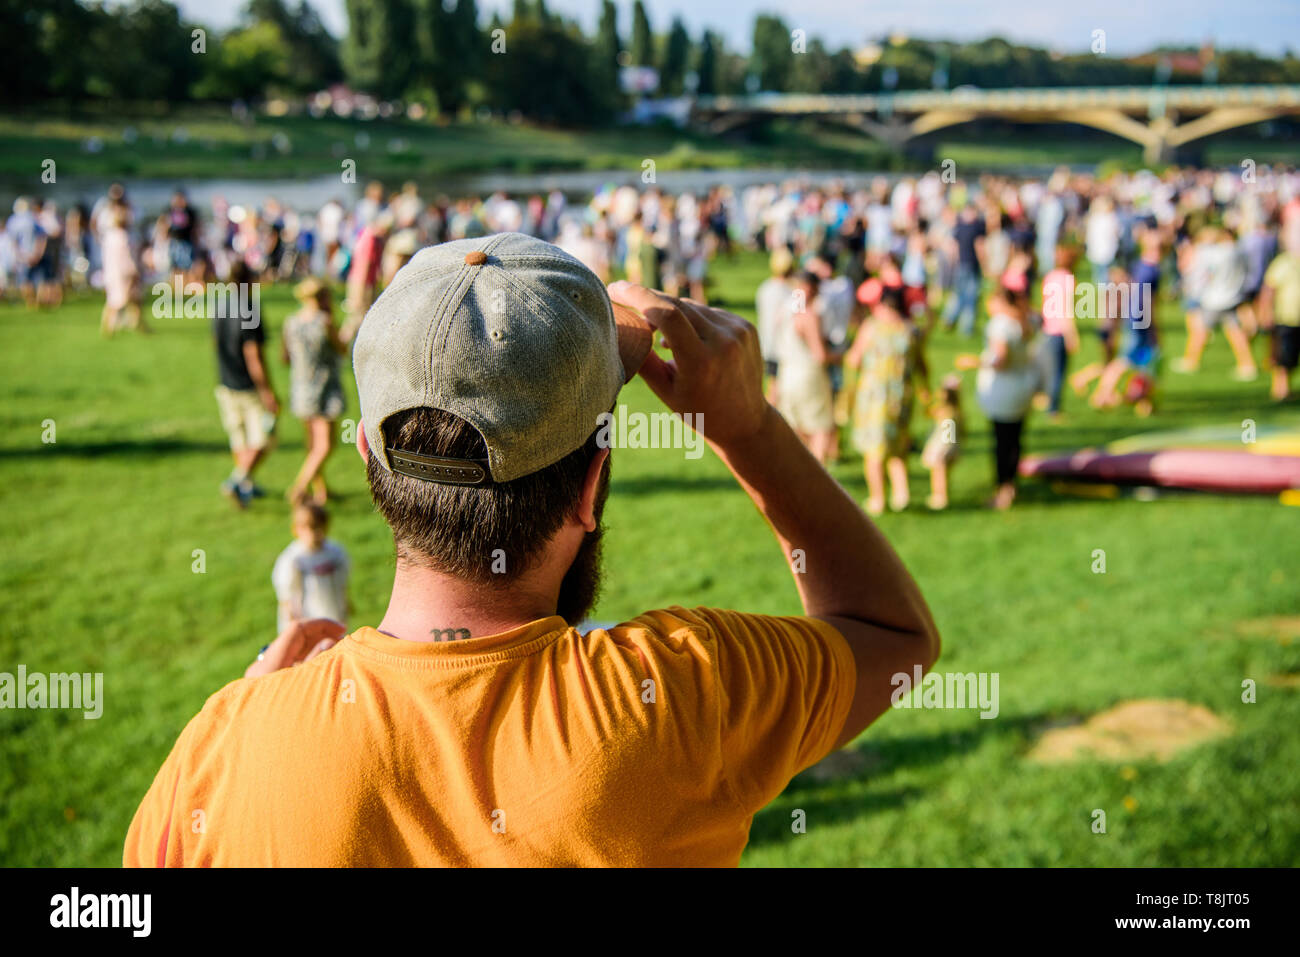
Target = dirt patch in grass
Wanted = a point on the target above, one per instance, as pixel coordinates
(1288, 679)
(1132, 731)
(1284, 629)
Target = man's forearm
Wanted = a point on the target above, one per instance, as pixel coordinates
(849, 568)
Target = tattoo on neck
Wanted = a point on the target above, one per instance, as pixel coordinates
(449, 634)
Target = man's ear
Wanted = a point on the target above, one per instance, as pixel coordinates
(363, 447)
(586, 513)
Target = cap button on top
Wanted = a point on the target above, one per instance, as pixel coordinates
(476, 258)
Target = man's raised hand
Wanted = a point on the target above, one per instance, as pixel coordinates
(716, 371)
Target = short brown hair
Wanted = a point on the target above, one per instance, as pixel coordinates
(311, 514)
(465, 531)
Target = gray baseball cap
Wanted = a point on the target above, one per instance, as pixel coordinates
(508, 332)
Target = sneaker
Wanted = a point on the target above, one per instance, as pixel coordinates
(1245, 375)
(231, 490)
(1183, 366)
(251, 489)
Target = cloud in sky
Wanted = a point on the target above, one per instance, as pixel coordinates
(1131, 26)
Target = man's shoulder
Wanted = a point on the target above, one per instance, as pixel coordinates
(701, 630)
(252, 699)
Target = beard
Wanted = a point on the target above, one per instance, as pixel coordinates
(580, 586)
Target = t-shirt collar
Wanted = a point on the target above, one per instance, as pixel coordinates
(515, 643)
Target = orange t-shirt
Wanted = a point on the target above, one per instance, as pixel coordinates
(650, 743)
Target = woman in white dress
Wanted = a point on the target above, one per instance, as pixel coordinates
(803, 383)
(121, 277)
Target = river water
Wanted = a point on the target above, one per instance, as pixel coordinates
(151, 195)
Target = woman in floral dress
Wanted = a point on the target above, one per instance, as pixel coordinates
(888, 355)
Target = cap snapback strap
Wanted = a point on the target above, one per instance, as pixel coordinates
(444, 471)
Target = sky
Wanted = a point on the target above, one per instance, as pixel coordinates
(1131, 26)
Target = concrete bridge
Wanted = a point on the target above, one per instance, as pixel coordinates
(1161, 119)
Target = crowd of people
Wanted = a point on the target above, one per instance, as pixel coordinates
(861, 278)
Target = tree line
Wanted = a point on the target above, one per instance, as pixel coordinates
(537, 64)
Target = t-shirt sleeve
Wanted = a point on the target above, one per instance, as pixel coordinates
(285, 578)
(785, 688)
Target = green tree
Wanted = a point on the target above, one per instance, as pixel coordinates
(773, 59)
(532, 81)
(677, 55)
(23, 63)
(381, 52)
(142, 51)
(246, 63)
(69, 65)
(313, 51)
(812, 71)
(642, 47)
(706, 65)
(604, 58)
(451, 51)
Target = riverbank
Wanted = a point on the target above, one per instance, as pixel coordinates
(205, 143)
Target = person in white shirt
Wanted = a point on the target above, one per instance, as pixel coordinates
(578, 239)
(311, 574)
(329, 231)
(1005, 384)
(1221, 270)
(773, 304)
(1102, 237)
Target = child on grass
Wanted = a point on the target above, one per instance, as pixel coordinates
(1139, 353)
(311, 574)
(943, 445)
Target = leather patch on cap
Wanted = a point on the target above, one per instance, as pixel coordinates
(476, 258)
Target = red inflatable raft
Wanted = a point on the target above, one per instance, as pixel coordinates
(1208, 470)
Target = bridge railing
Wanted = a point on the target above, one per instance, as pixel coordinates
(1028, 99)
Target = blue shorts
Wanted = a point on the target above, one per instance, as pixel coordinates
(181, 254)
(1141, 355)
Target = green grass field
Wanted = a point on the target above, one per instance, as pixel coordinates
(100, 528)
